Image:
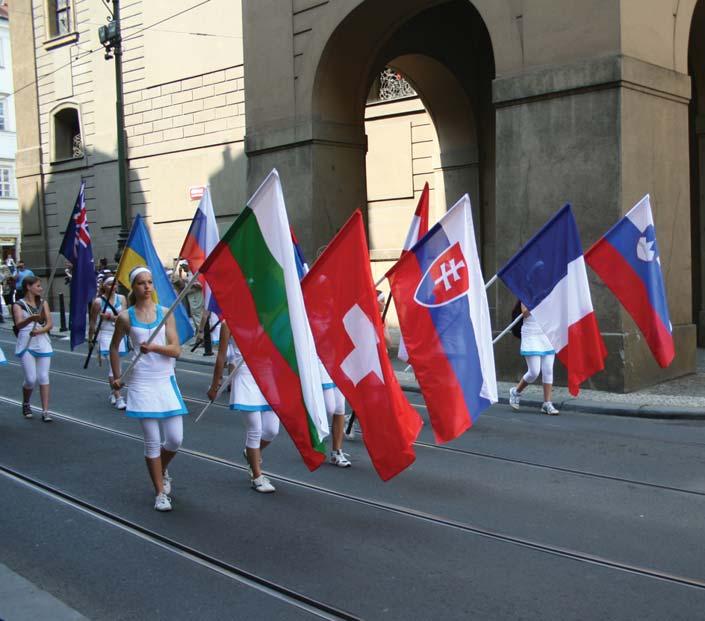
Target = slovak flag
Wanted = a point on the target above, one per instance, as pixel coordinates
(200, 240)
(417, 229)
(548, 275)
(439, 294)
(627, 260)
(341, 305)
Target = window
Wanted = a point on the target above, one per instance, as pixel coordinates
(68, 143)
(59, 17)
(2, 114)
(5, 182)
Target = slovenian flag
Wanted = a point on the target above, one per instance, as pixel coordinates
(200, 240)
(439, 294)
(139, 250)
(252, 274)
(417, 229)
(548, 275)
(627, 260)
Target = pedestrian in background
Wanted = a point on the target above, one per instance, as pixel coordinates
(20, 275)
(539, 355)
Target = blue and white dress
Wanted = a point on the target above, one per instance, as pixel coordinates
(245, 395)
(152, 389)
(38, 346)
(533, 341)
(107, 328)
(3, 360)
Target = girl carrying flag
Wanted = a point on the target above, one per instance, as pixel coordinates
(107, 306)
(153, 396)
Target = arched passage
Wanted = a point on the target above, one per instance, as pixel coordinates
(696, 65)
(444, 50)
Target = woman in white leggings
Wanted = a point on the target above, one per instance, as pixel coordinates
(153, 397)
(261, 423)
(32, 325)
(539, 355)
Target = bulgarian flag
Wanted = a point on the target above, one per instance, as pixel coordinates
(252, 274)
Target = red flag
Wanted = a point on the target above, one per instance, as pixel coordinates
(341, 304)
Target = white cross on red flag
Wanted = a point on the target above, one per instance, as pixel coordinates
(341, 304)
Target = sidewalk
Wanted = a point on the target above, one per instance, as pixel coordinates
(20, 600)
(682, 398)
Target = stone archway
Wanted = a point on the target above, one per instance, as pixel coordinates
(444, 50)
(696, 68)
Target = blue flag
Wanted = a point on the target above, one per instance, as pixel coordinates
(139, 250)
(76, 247)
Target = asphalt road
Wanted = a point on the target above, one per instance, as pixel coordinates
(524, 517)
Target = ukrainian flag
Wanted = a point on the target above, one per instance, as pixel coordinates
(139, 251)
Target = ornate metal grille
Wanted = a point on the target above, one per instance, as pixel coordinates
(392, 85)
(77, 146)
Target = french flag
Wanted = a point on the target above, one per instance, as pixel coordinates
(548, 275)
(441, 302)
(627, 260)
(417, 229)
(200, 240)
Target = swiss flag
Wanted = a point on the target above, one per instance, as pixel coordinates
(341, 303)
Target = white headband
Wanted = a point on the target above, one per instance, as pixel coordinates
(108, 280)
(136, 272)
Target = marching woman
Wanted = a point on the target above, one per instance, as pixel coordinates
(32, 325)
(108, 309)
(261, 423)
(335, 408)
(539, 355)
(153, 396)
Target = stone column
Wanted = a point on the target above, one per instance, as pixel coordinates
(598, 134)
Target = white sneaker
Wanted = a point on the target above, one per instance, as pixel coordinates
(340, 459)
(120, 403)
(261, 484)
(166, 482)
(514, 399)
(549, 408)
(162, 502)
(112, 399)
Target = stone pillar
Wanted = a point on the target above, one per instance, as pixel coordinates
(598, 134)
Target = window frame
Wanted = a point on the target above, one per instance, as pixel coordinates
(54, 158)
(53, 36)
(6, 183)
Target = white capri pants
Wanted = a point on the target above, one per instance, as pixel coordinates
(35, 370)
(172, 428)
(536, 364)
(335, 402)
(260, 426)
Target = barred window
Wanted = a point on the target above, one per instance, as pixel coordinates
(68, 142)
(2, 114)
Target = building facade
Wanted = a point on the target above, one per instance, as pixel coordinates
(524, 104)
(9, 207)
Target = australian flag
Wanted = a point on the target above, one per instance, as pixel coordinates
(76, 247)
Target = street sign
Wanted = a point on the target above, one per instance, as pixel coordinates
(195, 192)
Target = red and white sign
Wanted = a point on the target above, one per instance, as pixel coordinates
(195, 192)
